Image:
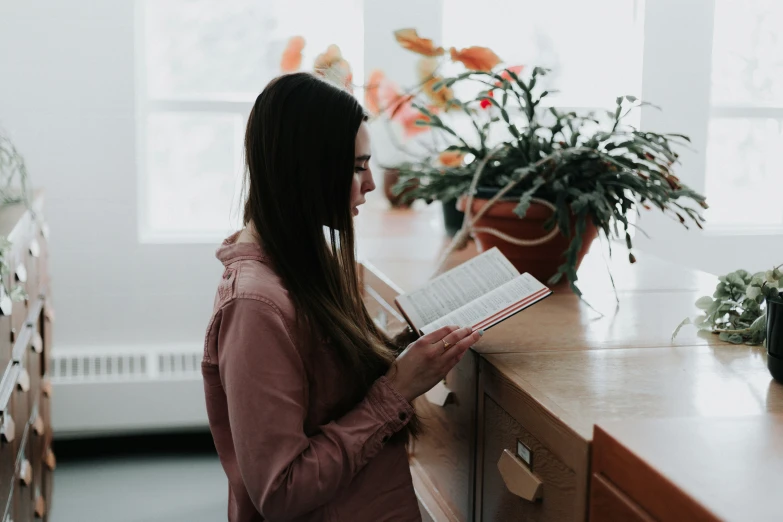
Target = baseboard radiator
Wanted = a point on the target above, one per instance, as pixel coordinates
(126, 390)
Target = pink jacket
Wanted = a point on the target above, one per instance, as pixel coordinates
(290, 445)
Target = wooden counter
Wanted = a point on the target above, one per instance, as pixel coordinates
(704, 469)
(537, 383)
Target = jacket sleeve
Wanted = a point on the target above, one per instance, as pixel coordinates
(286, 473)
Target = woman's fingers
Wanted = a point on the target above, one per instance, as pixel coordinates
(455, 353)
(437, 335)
(469, 340)
(456, 336)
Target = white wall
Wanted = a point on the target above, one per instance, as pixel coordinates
(67, 99)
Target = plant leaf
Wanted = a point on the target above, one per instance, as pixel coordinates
(685, 321)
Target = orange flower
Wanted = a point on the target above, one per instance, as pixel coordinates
(383, 96)
(451, 158)
(292, 55)
(411, 40)
(372, 91)
(403, 112)
(476, 58)
(408, 116)
(426, 69)
(516, 69)
(333, 67)
(441, 97)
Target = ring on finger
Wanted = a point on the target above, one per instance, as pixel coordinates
(446, 345)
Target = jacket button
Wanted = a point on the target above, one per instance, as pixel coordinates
(403, 416)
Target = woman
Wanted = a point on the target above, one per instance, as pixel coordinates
(309, 403)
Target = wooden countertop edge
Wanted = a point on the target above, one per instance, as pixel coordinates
(571, 445)
(641, 481)
(577, 425)
(576, 422)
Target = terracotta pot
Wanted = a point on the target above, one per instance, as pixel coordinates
(390, 177)
(541, 261)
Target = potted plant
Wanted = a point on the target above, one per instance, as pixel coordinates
(542, 182)
(746, 309)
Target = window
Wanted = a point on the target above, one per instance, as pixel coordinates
(201, 65)
(714, 66)
(744, 178)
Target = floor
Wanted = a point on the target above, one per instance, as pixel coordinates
(174, 479)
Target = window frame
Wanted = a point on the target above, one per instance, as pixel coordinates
(680, 47)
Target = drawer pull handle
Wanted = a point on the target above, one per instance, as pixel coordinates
(6, 304)
(49, 312)
(46, 387)
(40, 506)
(439, 394)
(21, 273)
(8, 428)
(37, 343)
(38, 426)
(26, 473)
(519, 479)
(23, 381)
(35, 248)
(50, 460)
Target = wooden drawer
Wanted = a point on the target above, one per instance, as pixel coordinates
(47, 482)
(35, 358)
(444, 453)
(23, 399)
(9, 443)
(47, 318)
(609, 504)
(6, 344)
(34, 273)
(529, 465)
(546, 477)
(23, 483)
(19, 308)
(38, 446)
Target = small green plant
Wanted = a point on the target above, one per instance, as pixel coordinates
(737, 310)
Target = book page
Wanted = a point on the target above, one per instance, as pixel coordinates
(499, 304)
(457, 287)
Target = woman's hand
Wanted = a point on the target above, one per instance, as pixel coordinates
(427, 361)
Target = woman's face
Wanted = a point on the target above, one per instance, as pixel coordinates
(362, 177)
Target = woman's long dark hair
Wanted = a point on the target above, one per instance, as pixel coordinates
(300, 157)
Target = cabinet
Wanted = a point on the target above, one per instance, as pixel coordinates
(696, 469)
(508, 435)
(26, 459)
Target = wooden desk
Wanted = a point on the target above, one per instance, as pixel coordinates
(689, 469)
(547, 375)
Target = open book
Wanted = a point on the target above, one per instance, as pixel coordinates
(479, 293)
